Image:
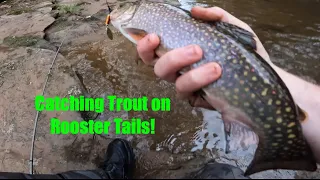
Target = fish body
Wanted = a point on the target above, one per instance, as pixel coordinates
(249, 91)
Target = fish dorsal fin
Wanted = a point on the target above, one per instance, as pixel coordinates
(240, 34)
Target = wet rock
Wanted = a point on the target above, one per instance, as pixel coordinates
(43, 4)
(28, 24)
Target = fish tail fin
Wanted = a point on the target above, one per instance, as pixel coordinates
(290, 159)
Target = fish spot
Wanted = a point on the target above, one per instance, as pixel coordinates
(278, 135)
(227, 93)
(288, 109)
(235, 97)
(246, 104)
(246, 89)
(267, 126)
(290, 142)
(235, 103)
(234, 61)
(236, 90)
(261, 109)
(279, 120)
(264, 92)
(289, 131)
(278, 102)
(291, 136)
(250, 111)
(291, 124)
(253, 95)
(258, 119)
(278, 129)
(228, 57)
(247, 67)
(291, 116)
(275, 144)
(270, 102)
(269, 118)
(254, 78)
(245, 73)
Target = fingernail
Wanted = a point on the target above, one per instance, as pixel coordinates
(214, 69)
(193, 50)
(152, 37)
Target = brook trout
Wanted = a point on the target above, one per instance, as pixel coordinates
(249, 91)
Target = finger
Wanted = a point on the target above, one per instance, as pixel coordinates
(218, 14)
(197, 78)
(170, 63)
(146, 48)
(208, 14)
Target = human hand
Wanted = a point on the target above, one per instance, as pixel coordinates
(167, 65)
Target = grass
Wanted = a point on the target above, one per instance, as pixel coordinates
(69, 9)
(21, 41)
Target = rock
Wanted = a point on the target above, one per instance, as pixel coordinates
(94, 7)
(43, 4)
(74, 18)
(45, 10)
(70, 2)
(5, 6)
(70, 33)
(28, 24)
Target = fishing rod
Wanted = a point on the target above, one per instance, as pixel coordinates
(37, 115)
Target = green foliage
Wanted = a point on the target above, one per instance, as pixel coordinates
(21, 41)
(69, 9)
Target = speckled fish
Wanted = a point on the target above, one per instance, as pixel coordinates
(249, 91)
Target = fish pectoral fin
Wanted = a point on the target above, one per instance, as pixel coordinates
(243, 36)
(302, 115)
(136, 34)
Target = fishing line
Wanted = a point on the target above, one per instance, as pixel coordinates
(37, 115)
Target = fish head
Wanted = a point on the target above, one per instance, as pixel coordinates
(122, 14)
